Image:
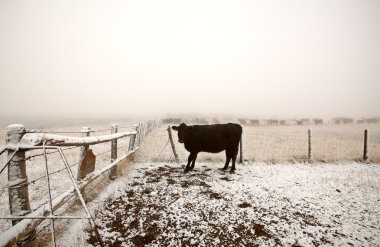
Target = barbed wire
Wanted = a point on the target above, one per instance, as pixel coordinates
(78, 131)
(123, 146)
(127, 127)
(39, 178)
(99, 154)
(35, 180)
(53, 132)
(2, 191)
(37, 155)
(43, 203)
(44, 227)
(162, 150)
(100, 130)
(109, 151)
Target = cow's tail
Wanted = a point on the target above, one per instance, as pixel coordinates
(241, 146)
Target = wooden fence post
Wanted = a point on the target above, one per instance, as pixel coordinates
(172, 144)
(140, 134)
(365, 151)
(86, 158)
(137, 141)
(132, 139)
(309, 153)
(113, 171)
(18, 182)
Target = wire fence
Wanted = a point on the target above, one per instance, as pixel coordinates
(270, 144)
(60, 181)
(276, 144)
(41, 130)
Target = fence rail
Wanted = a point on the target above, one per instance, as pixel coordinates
(19, 141)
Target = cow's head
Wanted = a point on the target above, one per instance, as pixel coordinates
(183, 132)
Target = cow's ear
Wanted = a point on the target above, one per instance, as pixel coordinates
(175, 128)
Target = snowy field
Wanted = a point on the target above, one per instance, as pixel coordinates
(273, 199)
(277, 204)
(277, 144)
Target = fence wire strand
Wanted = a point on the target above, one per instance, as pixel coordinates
(144, 129)
(37, 155)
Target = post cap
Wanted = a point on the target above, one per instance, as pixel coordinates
(15, 129)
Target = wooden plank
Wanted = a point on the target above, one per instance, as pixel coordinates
(37, 139)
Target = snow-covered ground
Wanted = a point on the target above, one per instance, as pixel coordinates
(261, 204)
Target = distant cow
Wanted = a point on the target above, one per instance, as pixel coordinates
(242, 121)
(212, 139)
(254, 121)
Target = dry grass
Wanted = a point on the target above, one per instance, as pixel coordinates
(330, 143)
(269, 144)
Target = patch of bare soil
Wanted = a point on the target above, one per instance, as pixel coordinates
(163, 206)
(145, 213)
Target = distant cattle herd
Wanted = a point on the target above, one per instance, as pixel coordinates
(269, 122)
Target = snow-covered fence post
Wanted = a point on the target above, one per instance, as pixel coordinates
(137, 139)
(132, 140)
(86, 158)
(18, 181)
(365, 151)
(140, 134)
(144, 130)
(151, 125)
(309, 151)
(113, 171)
(172, 144)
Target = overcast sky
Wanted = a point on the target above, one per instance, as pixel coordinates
(297, 58)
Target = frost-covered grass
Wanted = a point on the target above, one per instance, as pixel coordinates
(273, 144)
(261, 204)
(304, 184)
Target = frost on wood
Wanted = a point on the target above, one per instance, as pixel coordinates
(37, 139)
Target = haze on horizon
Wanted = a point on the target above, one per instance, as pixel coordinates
(296, 58)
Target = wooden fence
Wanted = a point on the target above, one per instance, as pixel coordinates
(19, 141)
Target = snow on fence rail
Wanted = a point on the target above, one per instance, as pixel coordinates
(19, 141)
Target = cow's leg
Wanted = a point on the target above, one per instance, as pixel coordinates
(233, 164)
(189, 160)
(228, 158)
(234, 155)
(193, 162)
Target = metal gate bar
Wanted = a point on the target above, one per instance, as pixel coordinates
(52, 216)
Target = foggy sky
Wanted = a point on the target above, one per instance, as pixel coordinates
(297, 58)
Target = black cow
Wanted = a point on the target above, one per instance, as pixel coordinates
(210, 138)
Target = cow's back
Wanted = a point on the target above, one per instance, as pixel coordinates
(214, 138)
